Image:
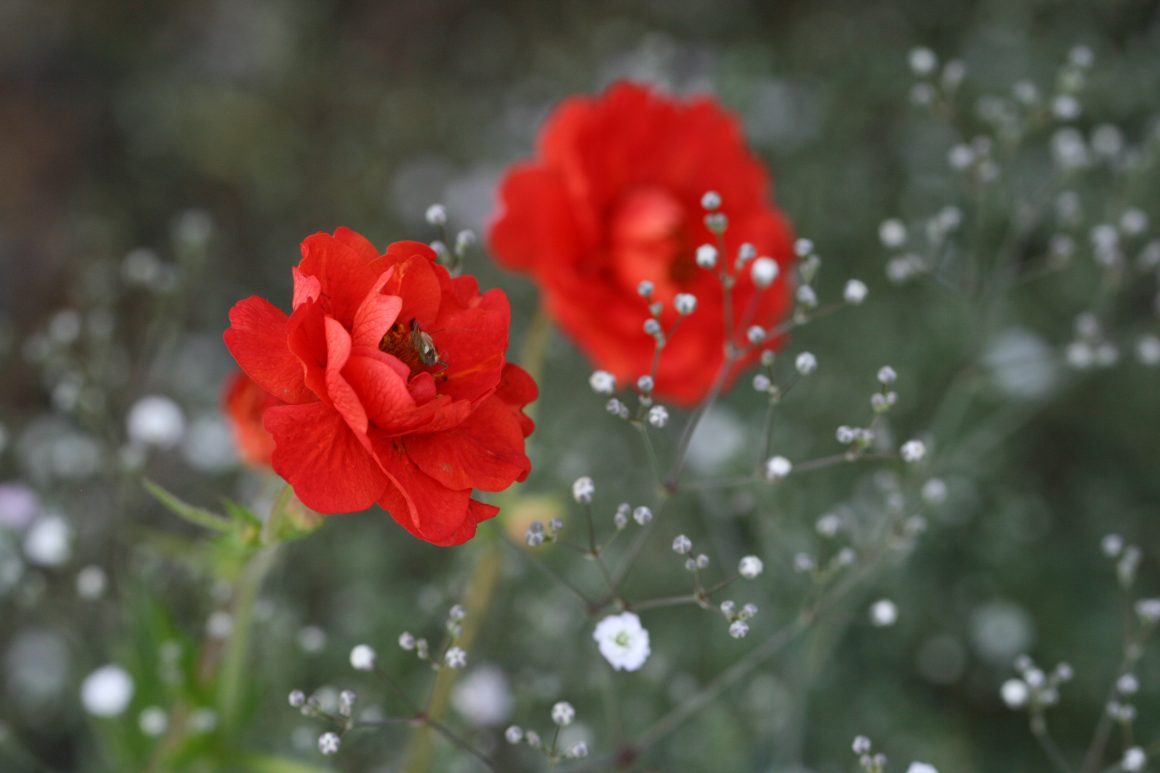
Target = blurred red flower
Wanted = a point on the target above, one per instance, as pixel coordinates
(393, 383)
(244, 403)
(613, 198)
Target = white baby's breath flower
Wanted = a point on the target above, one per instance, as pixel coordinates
(883, 613)
(362, 657)
(623, 641)
(750, 567)
(685, 304)
(107, 691)
(328, 743)
(682, 545)
(912, 451)
(738, 629)
(764, 272)
(436, 214)
(456, 657)
(855, 292)
(706, 256)
(892, 233)
(1134, 759)
(602, 382)
(583, 489)
(777, 468)
(563, 714)
(514, 734)
(921, 767)
(1014, 693)
(806, 363)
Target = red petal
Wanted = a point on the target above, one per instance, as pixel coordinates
(416, 282)
(306, 338)
(472, 342)
(306, 288)
(346, 273)
(485, 452)
(244, 403)
(537, 224)
(422, 505)
(342, 395)
(381, 389)
(257, 338)
(322, 459)
(375, 315)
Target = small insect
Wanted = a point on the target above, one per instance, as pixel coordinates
(424, 346)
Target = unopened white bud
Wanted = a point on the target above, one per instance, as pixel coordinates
(362, 658)
(642, 515)
(685, 304)
(706, 256)
(887, 375)
(750, 567)
(855, 292)
(436, 214)
(602, 382)
(738, 629)
(711, 201)
(777, 467)
(682, 545)
(583, 490)
(913, 451)
(806, 363)
(764, 272)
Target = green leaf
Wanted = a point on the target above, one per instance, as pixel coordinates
(195, 515)
(268, 763)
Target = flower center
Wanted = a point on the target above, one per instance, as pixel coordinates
(623, 639)
(648, 241)
(412, 346)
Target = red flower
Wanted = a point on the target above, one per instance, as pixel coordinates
(394, 384)
(614, 198)
(244, 403)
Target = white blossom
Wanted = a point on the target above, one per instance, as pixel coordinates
(711, 201)
(1134, 759)
(456, 657)
(806, 363)
(563, 713)
(583, 489)
(764, 272)
(883, 613)
(750, 567)
(658, 416)
(514, 734)
(682, 545)
(777, 468)
(602, 382)
(155, 420)
(912, 451)
(1014, 693)
(921, 767)
(623, 642)
(328, 743)
(685, 304)
(362, 657)
(738, 629)
(922, 61)
(436, 214)
(706, 256)
(855, 291)
(107, 691)
(892, 233)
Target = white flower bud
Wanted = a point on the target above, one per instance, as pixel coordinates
(913, 451)
(645, 289)
(777, 468)
(806, 363)
(436, 214)
(602, 382)
(685, 304)
(706, 256)
(892, 233)
(887, 375)
(658, 416)
(456, 657)
(711, 201)
(583, 490)
(883, 613)
(922, 61)
(750, 567)
(855, 292)
(362, 658)
(642, 515)
(682, 545)
(1014, 693)
(514, 734)
(738, 629)
(764, 272)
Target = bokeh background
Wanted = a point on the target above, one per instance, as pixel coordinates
(161, 160)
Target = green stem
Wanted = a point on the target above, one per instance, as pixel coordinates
(234, 667)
